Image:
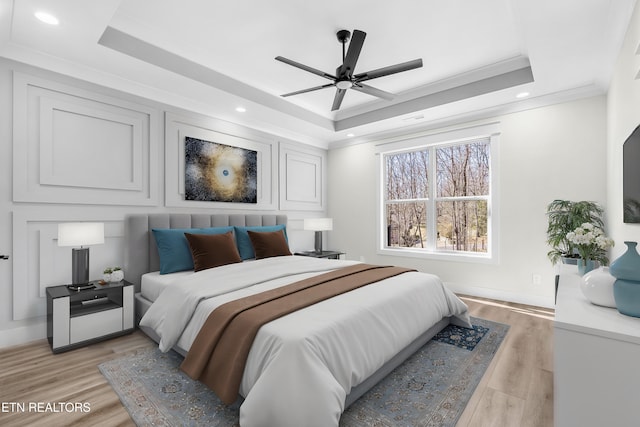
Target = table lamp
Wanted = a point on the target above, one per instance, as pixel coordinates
(318, 225)
(80, 234)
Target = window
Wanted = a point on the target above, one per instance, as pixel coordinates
(437, 199)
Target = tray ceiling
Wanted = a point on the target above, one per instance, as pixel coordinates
(477, 55)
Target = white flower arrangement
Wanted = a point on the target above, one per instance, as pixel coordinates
(591, 242)
(113, 274)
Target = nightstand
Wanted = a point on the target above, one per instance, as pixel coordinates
(77, 318)
(323, 254)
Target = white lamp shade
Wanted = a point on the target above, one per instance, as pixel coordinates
(318, 224)
(80, 233)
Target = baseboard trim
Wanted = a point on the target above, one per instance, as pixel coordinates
(23, 335)
(478, 291)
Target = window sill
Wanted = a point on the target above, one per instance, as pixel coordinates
(440, 256)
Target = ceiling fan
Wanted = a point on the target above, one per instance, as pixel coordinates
(344, 78)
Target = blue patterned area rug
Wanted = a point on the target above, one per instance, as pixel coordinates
(431, 388)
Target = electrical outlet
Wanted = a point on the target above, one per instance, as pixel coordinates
(536, 279)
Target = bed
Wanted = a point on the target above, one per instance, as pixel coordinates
(306, 367)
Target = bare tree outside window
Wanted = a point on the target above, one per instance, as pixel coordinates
(407, 189)
(449, 214)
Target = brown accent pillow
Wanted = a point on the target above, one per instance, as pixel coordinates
(268, 244)
(212, 250)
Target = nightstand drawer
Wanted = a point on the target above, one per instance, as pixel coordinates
(92, 325)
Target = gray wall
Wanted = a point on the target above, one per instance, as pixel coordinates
(75, 151)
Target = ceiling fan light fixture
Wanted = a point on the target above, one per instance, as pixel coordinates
(344, 84)
(344, 78)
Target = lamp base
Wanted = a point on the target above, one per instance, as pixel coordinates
(79, 266)
(318, 242)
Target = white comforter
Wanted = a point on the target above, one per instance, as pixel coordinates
(302, 366)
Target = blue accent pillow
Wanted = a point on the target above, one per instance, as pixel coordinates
(244, 242)
(173, 247)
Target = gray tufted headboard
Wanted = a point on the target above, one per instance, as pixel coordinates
(141, 255)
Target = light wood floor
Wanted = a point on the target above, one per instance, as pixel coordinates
(517, 389)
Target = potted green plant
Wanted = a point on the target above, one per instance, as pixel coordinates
(566, 216)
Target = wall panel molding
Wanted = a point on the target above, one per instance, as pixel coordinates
(38, 261)
(74, 146)
(302, 177)
(177, 127)
(110, 158)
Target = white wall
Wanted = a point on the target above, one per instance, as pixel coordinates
(545, 154)
(77, 151)
(623, 115)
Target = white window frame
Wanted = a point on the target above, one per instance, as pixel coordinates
(429, 141)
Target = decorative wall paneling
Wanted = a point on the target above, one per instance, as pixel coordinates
(76, 146)
(39, 262)
(177, 127)
(84, 153)
(302, 173)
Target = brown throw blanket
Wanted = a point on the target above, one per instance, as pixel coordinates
(219, 352)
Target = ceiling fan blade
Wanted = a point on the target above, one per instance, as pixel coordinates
(337, 100)
(305, 68)
(298, 92)
(360, 87)
(385, 71)
(355, 46)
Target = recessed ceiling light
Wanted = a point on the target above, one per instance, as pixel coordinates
(47, 18)
(241, 109)
(351, 135)
(522, 95)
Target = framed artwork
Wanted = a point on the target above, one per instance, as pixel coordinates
(219, 173)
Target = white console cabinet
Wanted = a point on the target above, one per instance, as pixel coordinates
(597, 361)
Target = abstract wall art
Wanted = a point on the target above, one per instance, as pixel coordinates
(220, 173)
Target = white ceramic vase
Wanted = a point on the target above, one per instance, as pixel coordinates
(117, 276)
(597, 287)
